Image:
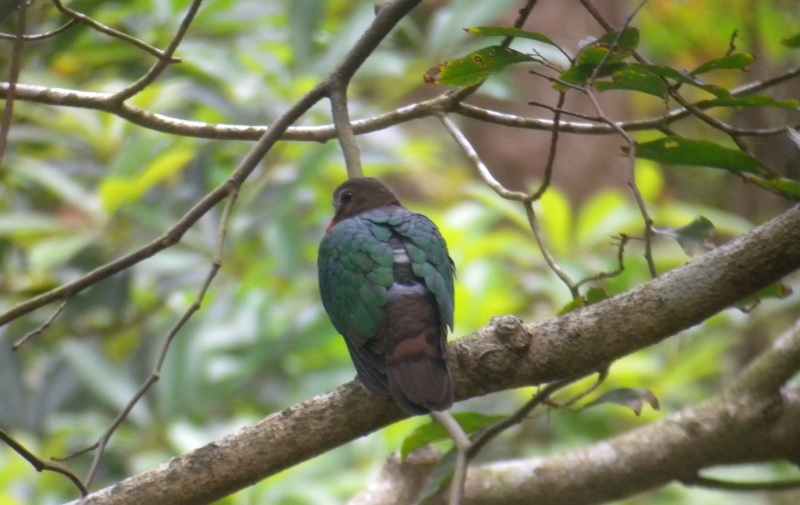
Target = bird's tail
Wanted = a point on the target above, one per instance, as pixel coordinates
(417, 373)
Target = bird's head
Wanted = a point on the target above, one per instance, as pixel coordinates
(360, 195)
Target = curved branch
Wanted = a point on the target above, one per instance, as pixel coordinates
(380, 27)
(167, 58)
(447, 102)
(717, 432)
(495, 358)
(42, 36)
(100, 27)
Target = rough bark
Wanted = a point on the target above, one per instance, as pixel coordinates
(503, 355)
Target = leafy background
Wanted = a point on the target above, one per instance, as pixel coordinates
(80, 188)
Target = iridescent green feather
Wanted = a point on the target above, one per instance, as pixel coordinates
(355, 268)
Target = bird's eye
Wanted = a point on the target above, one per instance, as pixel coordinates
(345, 197)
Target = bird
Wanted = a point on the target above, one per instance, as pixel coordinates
(386, 280)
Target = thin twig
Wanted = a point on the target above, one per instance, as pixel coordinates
(691, 109)
(40, 465)
(602, 375)
(462, 445)
(637, 195)
(347, 139)
(41, 329)
(389, 16)
(732, 43)
(614, 44)
(163, 62)
(13, 77)
(548, 256)
(483, 170)
(42, 36)
(96, 25)
(597, 15)
(564, 112)
(622, 240)
(155, 375)
(727, 485)
(551, 156)
(517, 417)
(731, 131)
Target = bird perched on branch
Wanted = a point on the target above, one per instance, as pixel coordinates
(386, 282)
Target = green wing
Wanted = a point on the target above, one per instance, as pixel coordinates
(356, 270)
(355, 273)
(430, 261)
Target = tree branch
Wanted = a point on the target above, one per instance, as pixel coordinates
(381, 26)
(164, 61)
(722, 431)
(447, 102)
(507, 356)
(752, 421)
(716, 432)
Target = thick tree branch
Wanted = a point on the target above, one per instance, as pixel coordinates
(401, 482)
(722, 431)
(773, 368)
(752, 421)
(495, 358)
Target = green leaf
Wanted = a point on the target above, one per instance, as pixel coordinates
(780, 185)
(23, 225)
(476, 67)
(117, 191)
(682, 77)
(694, 237)
(793, 41)
(55, 251)
(579, 75)
(683, 151)
(503, 31)
(626, 41)
(441, 478)
(593, 295)
(634, 399)
(738, 61)
(750, 101)
(774, 290)
(431, 432)
(635, 78)
(610, 51)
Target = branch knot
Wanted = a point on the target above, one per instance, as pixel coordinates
(509, 330)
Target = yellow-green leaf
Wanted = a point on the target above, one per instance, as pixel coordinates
(682, 151)
(476, 67)
(504, 31)
(793, 41)
(117, 191)
(738, 61)
(750, 101)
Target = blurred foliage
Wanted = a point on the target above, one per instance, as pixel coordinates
(81, 188)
